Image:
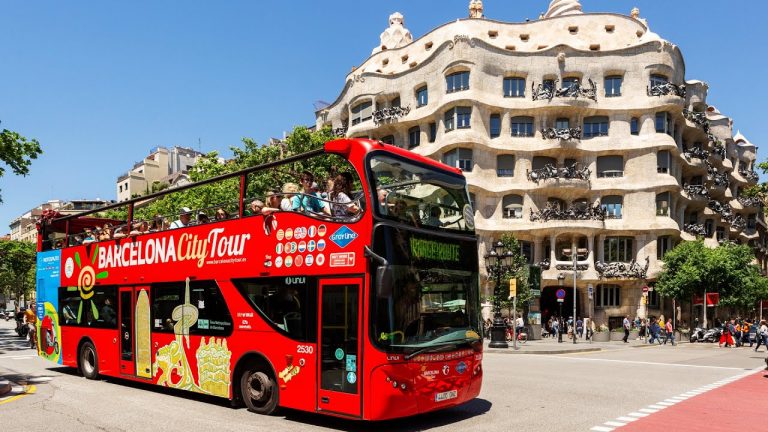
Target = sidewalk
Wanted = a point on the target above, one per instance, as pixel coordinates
(551, 346)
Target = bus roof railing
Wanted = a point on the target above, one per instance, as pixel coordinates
(235, 174)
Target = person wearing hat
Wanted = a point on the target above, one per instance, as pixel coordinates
(184, 218)
(202, 218)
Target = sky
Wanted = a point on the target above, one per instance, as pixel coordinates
(99, 84)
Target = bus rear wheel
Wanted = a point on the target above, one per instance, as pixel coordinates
(89, 364)
(259, 390)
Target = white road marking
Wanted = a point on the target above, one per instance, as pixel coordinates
(615, 423)
(637, 414)
(650, 363)
(602, 429)
(626, 419)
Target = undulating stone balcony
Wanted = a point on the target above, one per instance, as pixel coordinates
(666, 89)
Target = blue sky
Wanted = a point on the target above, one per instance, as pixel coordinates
(101, 83)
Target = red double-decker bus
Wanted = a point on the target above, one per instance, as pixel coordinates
(363, 306)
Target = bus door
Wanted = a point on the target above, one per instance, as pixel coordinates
(340, 345)
(135, 344)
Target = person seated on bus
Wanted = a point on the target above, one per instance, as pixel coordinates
(273, 203)
(221, 214)
(106, 232)
(141, 227)
(107, 312)
(158, 224)
(342, 205)
(202, 218)
(382, 195)
(88, 236)
(434, 217)
(289, 190)
(70, 316)
(308, 200)
(254, 208)
(184, 219)
(121, 231)
(401, 212)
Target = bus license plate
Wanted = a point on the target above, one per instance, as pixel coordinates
(452, 394)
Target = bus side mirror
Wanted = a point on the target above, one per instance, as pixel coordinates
(384, 280)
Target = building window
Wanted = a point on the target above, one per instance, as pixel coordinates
(708, 225)
(432, 132)
(662, 204)
(458, 117)
(472, 200)
(664, 123)
(720, 233)
(514, 87)
(457, 82)
(595, 126)
(657, 80)
(389, 139)
(361, 112)
(610, 166)
(539, 162)
(422, 96)
(618, 249)
(562, 123)
(495, 125)
(505, 165)
(607, 296)
(612, 206)
(522, 126)
(653, 299)
(512, 207)
(663, 245)
(526, 250)
(634, 126)
(570, 82)
(613, 86)
(414, 137)
(662, 162)
(752, 221)
(459, 158)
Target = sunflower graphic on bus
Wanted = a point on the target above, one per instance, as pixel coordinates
(86, 280)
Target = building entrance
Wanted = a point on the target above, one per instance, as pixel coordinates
(550, 306)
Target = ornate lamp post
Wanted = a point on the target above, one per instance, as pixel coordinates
(498, 264)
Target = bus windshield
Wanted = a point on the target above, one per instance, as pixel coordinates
(427, 294)
(420, 196)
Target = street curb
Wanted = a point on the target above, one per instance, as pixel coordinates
(542, 352)
(5, 386)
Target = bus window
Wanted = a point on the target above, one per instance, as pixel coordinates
(288, 303)
(170, 299)
(99, 310)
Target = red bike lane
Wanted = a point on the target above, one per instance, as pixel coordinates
(740, 405)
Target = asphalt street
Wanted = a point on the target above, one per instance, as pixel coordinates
(531, 392)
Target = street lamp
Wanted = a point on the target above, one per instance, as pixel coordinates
(497, 264)
(560, 280)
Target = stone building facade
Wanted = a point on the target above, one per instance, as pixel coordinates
(162, 165)
(578, 132)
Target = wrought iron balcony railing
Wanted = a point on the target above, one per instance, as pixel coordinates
(696, 229)
(544, 264)
(697, 118)
(749, 201)
(719, 150)
(738, 222)
(579, 267)
(718, 179)
(390, 113)
(553, 212)
(550, 171)
(696, 152)
(696, 191)
(750, 175)
(340, 131)
(723, 210)
(565, 134)
(665, 89)
(615, 270)
(573, 90)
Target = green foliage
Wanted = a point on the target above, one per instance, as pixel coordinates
(17, 268)
(17, 152)
(691, 267)
(518, 269)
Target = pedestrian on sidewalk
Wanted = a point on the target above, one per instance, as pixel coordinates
(726, 337)
(670, 332)
(580, 327)
(654, 330)
(626, 329)
(556, 329)
(762, 335)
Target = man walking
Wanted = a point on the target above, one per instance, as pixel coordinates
(762, 335)
(670, 332)
(626, 329)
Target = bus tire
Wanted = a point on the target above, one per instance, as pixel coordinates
(259, 390)
(88, 361)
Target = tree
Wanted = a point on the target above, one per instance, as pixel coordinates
(518, 269)
(17, 152)
(691, 268)
(17, 268)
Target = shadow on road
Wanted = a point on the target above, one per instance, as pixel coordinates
(11, 343)
(422, 422)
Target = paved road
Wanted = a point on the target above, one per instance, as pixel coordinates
(521, 392)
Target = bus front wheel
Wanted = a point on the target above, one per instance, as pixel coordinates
(259, 390)
(89, 364)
